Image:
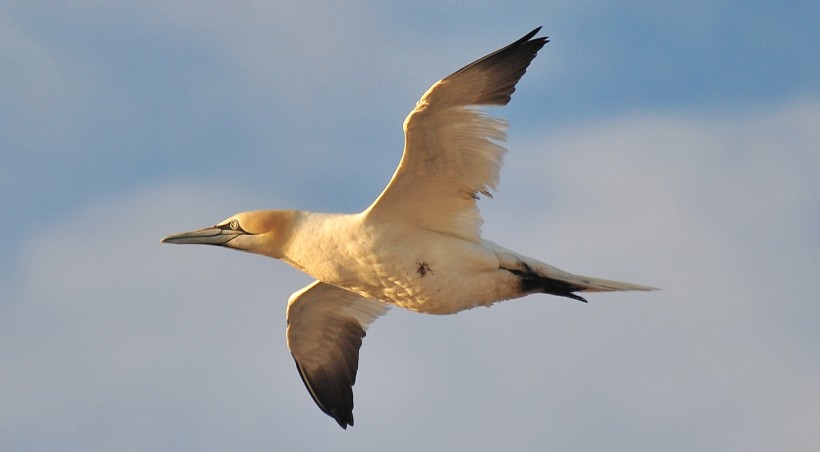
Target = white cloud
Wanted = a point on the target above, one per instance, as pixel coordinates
(116, 341)
(720, 213)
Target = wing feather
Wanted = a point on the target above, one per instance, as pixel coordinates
(326, 325)
(453, 151)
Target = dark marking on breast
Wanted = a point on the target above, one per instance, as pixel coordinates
(423, 269)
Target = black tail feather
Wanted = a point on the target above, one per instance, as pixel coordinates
(534, 283)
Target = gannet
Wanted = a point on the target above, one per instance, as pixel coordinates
(418, 246)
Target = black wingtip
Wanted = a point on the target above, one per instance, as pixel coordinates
(341, 413)
(529, 37)
(531, 34)
(343, 423)
(504, 68)
(343, 419)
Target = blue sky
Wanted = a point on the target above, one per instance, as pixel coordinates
(673, 145)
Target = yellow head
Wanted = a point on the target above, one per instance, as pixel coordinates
(261, 232)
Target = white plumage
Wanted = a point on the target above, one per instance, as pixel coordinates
(418, 246)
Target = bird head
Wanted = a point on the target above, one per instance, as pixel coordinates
(260, 232)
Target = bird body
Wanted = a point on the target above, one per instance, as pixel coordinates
(398, 263)
(418, 246)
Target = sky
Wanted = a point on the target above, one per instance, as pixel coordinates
(669, 144)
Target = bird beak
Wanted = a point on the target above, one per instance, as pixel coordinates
(207, 236)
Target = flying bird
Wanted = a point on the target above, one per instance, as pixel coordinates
(418, 246)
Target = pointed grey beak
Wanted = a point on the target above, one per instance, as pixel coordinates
(207, 236)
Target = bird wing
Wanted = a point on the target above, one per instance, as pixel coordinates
(326, 325)
(453, 150)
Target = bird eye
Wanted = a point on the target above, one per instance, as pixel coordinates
(234, 225)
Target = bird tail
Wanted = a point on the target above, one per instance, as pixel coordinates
(590, 284)
(543, 278)
(538, 277)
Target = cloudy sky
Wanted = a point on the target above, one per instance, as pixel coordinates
(675, 145)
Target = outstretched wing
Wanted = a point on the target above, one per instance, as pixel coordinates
(452, 150)
(326, 325)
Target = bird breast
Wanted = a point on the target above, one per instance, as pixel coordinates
(420, 270)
